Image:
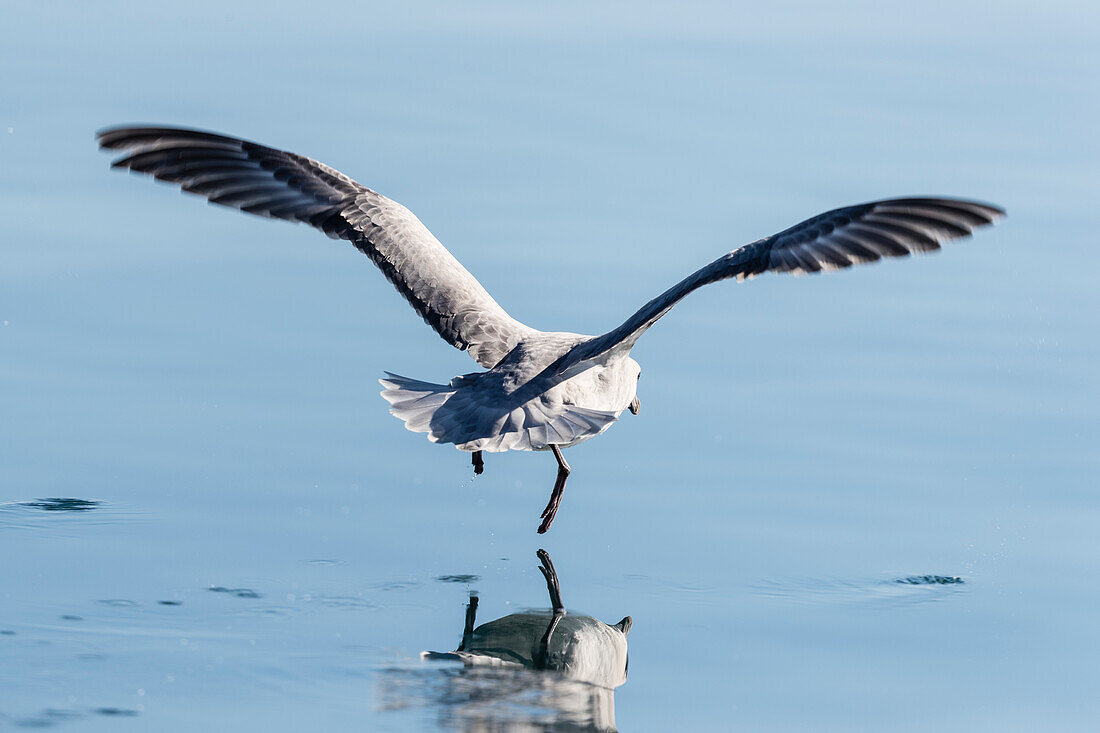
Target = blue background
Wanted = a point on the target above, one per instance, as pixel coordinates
(210, 378)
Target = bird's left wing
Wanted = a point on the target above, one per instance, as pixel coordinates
(267, 182)
(831, 241)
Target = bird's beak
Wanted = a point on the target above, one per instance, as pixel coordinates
(635, 406)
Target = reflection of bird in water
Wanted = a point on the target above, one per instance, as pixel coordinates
(529, 670)
(542, 390)
(580, 647)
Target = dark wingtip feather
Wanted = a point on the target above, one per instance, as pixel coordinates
(127, 136)
(988, 212)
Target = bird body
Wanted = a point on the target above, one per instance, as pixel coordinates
(541, 390)
(522, 403)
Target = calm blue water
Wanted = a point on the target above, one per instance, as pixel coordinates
(265, 544)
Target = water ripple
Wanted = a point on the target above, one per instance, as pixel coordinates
(56, 504)
(237, 592)
(930, 580)
(898, 590)
(59, 516)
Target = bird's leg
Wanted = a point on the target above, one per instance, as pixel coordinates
(559, 488)
(479, 464)
(542, 660)
(471, 615)
(552, 586)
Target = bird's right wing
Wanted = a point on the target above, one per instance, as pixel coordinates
(831, 241)
(267, 182)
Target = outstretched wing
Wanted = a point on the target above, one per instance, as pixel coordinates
(260, 180)
(831, 241)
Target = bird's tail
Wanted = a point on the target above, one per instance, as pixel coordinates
(477, 420)
(414, 401)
